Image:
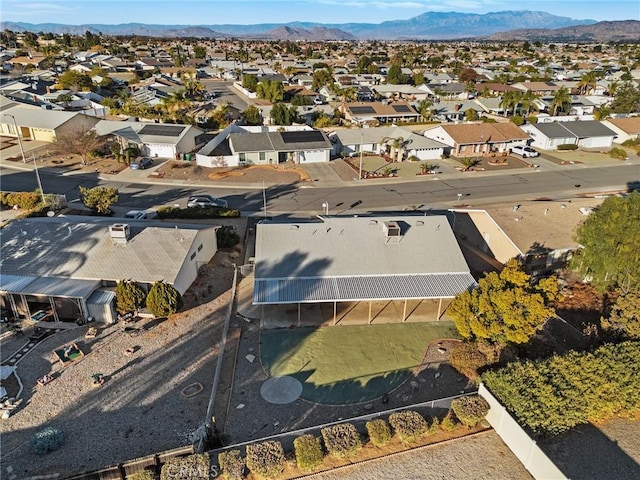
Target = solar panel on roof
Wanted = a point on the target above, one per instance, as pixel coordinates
(362, 110)
(305, 136)
(162, 130)
(401, 108)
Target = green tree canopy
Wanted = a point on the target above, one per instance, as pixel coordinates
(99, 199)
(610, 240)
(252, 115)
(624, 317)
(321, 78)
(75, 81)
(271, 90)
(250, 82)
(163, 299)
(506, 307)
(129, 296)
(283, 115)
(395, 75)
(627, 99)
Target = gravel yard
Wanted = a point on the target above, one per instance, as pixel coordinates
(139, 410)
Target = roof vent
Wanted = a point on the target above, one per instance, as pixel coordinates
(119, 232)
(392, 232)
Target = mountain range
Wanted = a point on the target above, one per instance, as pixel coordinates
(428, 26)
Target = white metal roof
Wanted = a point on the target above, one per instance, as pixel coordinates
(352, 258)
(49, 286)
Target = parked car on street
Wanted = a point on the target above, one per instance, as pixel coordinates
(524, 151)
(136, 215)
(141, 163)
(204, 201)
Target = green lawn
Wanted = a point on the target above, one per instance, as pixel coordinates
(349, 364)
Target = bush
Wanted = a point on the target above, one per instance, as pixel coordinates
(308, 452)
(129, 296)
(193, 467)
(186, 213)
(467, 359)
(163, 299)
(632, 142)
(532, 119)
(231, 464)
(517, 119)
(47, 440)
(342, 440)
(24, 200)
(266, 459)
(470, 410)
(379, 432)
(449, 422)
(618, 153)
(408, 425)
(227, 237)
(568, 146)
(143, 475)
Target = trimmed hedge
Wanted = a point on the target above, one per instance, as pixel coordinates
(193, 467)
(568, 146)
(618, 153)
(379, 432)
(342, 440)
(24, 200)
(449, 422)
(143, 475)
(553, 395)
(470, 410)
(408, 425)
(47, 440)
(308, 452)
(231, 464)
(197, 213)
(266, 458)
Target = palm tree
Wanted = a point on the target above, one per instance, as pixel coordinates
(528, 101)
(613, 87)
(397, 147)
(510, 99)
(175, 103)
(587, 82)
(424, 107)
(561, 98)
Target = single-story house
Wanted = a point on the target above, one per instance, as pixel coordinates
(43, 125)
(244, 145)
(404, 92)
(358, 259)
(625, 128)
(478, 139)
(586, 134)
(352, 141)
(62, 265)
(156, 140)
(360, 112)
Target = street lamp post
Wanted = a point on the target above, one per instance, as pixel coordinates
(361, 152)
(15, 124)
(35, 165)
(325, 205)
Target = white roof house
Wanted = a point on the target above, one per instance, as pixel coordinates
(338, 259)
(43, 125)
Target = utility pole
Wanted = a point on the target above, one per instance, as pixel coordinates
(15, 124)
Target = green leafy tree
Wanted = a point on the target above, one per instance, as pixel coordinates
(199, 51)
(75, 81)
(163, 299)
(395, 75)
(99, 199)
(626, 99)
(282, 115)
(250, 82)
(271, 90)
(321, 78)
(471, 115)
(505, 307)
(624, 317)
(610, 241)
(252, 115)
(129, 296)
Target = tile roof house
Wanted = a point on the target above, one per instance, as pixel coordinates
(625, 128)
(479, 139)
(245, 145)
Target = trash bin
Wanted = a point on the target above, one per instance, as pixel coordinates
(187, 157)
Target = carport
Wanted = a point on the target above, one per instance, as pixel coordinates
(37, 298)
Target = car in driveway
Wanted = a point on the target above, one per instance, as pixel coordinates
(524, 151)
(136, 215)
(204, 201)
(141, 163)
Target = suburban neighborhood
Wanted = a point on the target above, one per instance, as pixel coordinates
(229, 257)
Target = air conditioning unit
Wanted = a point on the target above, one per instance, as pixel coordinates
(119, 232)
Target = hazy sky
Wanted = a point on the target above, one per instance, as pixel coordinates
(209, 12)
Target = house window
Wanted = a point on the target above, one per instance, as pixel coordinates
(263, 156)
(199, 247)
(193, 255)
(242, 157)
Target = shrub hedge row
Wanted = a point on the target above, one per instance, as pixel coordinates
(197, 213)
(267, 459)
(24, 200)
(553, 395)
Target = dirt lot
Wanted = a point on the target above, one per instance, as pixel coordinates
(283, 173)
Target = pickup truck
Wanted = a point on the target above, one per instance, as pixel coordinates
(524, 151)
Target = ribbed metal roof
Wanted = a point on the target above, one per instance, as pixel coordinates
(101, 297)
(344, 289)
(48, 286)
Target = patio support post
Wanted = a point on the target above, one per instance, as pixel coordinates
(14, 308)
(335, 312)
(25, 304)
(370, 312)
(439, 308)
(404, 311)
(53, 309)
(298, 313)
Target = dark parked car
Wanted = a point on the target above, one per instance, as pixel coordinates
(141, 164)
(203, 201)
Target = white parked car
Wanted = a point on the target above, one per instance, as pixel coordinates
(524, 151)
